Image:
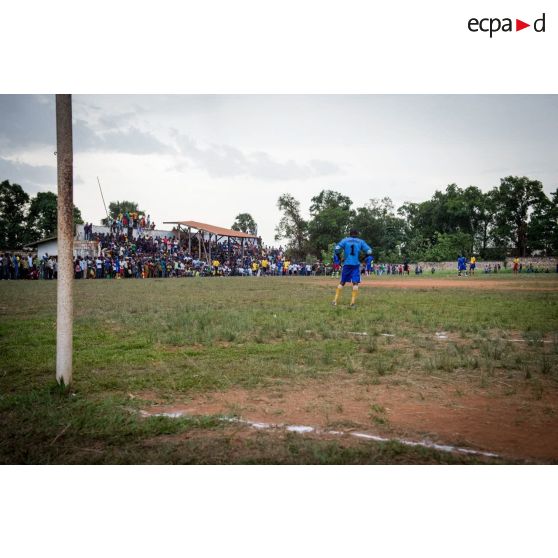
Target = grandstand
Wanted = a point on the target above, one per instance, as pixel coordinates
(206, 234)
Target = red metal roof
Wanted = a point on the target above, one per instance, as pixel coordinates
(211, 229)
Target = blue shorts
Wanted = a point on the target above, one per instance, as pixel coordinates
(350, 274)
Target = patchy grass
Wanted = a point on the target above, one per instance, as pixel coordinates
(177, 338)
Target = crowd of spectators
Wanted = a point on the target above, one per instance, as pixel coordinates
(27, 266)
(124, 223)
(493, 268)
(121, 256)
(144, 255)
(162, 257)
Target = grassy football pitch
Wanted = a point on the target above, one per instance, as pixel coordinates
(265, 370)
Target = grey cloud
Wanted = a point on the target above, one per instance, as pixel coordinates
(112, 121)
(261, 165)
(29, 121)
(227, 161)
(132, 140)
(26, 121)
(324, 167)
(32, 178)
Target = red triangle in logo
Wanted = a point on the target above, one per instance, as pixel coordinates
(519, 25)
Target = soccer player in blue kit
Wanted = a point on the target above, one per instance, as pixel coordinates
(461, 266)
(369, 260)
(351, 247)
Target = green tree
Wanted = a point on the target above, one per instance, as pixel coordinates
(13, 206)
(543, 227)
(327, 255)
(454, 211)
(515, 199)
(448, 247)
(482, 219)
(42, 217)
(378, 224)
(419, 228)
(330, 220)
(292, 226)
(123, 206)
(329, 199)
(244, 222)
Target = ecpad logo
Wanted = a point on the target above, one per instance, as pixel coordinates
(493, 25)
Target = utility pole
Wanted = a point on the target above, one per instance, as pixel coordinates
(65, 300)
(103, 198)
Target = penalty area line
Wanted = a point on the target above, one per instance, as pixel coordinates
(305, 429)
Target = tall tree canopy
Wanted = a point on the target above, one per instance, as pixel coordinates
(24, 219)
(244, 222)
(378, 224)
(330, 220)
(13, 208)
(42, 218)
(292, 226)
(543, 227)
(514, 218)
(515, 199)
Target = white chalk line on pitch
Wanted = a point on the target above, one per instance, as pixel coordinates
(304, 429)
(437, 335)
(358, 333)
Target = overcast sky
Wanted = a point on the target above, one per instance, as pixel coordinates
(210, 157)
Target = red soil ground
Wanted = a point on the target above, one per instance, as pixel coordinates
(477, 282)
(517, 426)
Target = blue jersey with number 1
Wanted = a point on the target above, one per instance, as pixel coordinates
(352, 246)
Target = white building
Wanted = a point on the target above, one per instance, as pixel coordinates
(49, 247)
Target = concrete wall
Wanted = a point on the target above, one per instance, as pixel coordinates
(49, 248)
(538, 263)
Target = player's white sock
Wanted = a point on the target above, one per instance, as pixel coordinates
(354, 294)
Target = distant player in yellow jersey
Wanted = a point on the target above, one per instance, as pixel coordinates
(516, 265)
(472, 265)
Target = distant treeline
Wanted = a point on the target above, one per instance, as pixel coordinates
(25, 219)
(514, 218)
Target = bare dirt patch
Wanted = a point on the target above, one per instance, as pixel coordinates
(461, 283)
(515, 426)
